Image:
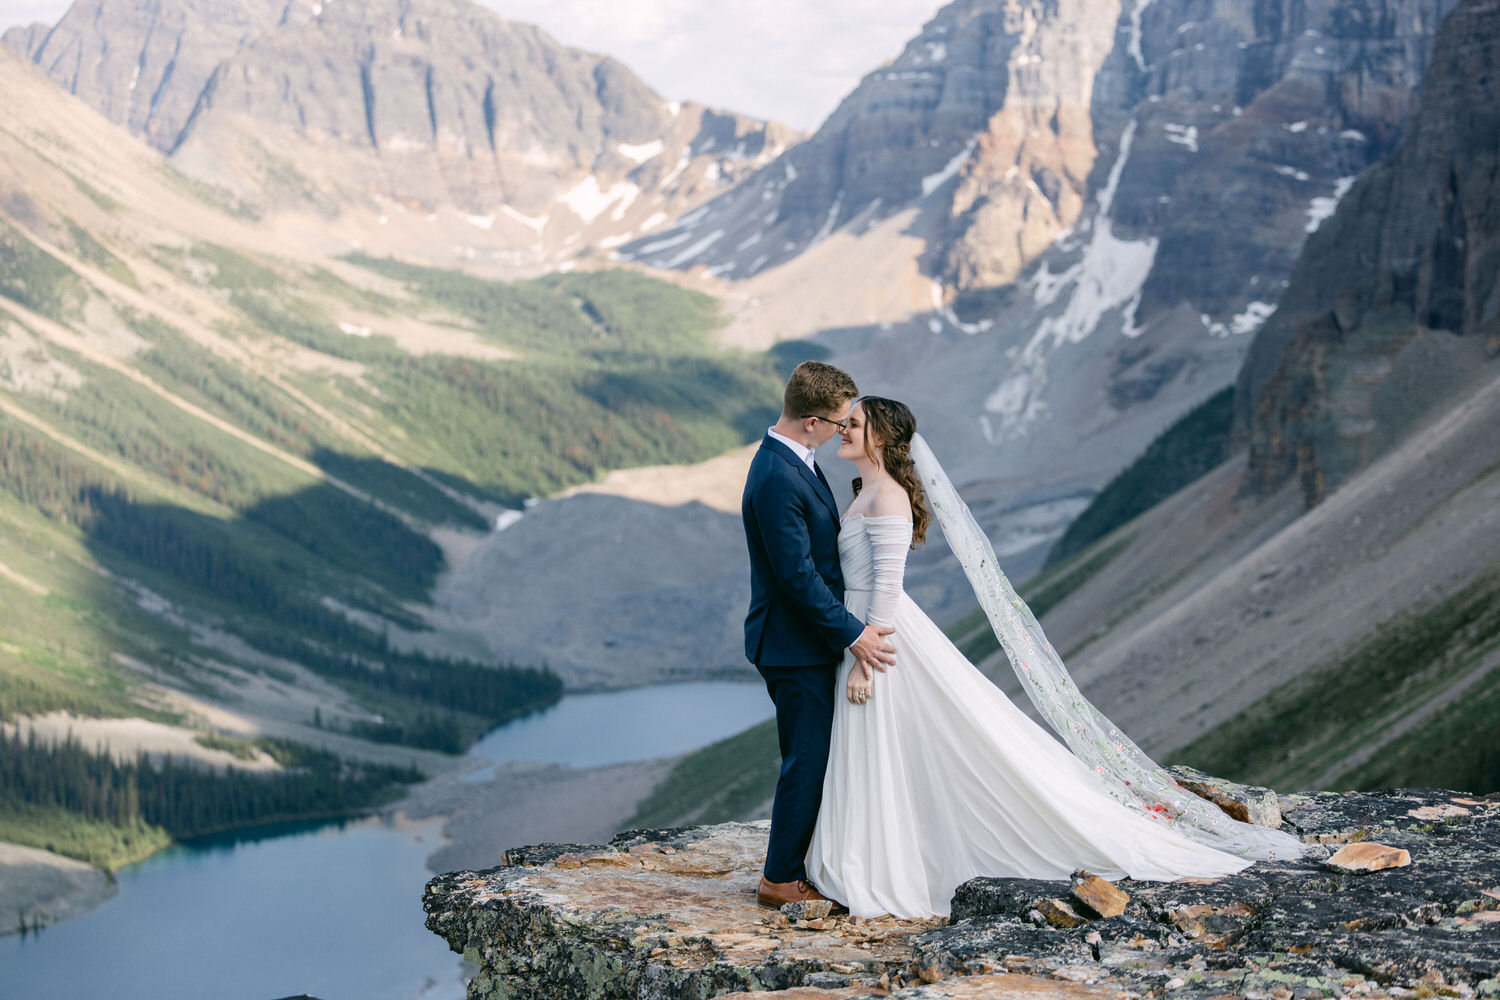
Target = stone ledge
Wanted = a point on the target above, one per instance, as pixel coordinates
(672, 914)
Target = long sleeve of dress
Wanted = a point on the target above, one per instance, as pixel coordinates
(890, 541)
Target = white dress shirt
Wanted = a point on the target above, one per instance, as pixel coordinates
(799, 449)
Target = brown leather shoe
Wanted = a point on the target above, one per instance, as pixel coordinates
(777, 894)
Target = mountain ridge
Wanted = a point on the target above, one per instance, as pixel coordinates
(367, 112)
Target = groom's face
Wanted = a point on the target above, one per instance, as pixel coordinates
(823, 430)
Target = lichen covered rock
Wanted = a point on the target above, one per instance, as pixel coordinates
(656, 914)
(672, 913)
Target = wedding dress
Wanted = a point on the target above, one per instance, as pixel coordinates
(939, 778)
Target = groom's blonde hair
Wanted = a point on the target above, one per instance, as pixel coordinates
(818, 389)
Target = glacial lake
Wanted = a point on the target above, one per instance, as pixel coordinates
(333, 909)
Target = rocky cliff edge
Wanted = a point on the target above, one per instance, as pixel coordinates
(672, 914)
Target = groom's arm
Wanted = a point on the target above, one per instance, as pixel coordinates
(781, 518)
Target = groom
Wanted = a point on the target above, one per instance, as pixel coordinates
(798, 628)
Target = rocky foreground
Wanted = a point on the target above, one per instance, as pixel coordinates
(672, 914)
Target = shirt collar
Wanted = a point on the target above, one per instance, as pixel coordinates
(799, 449)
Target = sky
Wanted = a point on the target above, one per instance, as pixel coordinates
(789, 60)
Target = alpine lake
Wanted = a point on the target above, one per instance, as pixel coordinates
(333, 909)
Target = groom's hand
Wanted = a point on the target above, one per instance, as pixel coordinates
(872, 652)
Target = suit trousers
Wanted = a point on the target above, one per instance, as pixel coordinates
(804, 725)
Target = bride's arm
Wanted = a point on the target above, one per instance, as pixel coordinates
(890, 540)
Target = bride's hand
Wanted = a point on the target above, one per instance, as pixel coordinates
(860, 687)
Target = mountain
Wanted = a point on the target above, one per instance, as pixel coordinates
(417, 124)
(1052, 228)
(1323, 609)
(1365, 343)
(1011, 117)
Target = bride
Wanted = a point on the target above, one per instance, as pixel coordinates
(934, 776)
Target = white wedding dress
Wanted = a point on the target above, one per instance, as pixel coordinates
(939, 778)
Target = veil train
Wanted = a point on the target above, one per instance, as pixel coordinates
(1123, 769)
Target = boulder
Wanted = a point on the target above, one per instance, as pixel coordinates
(1246, 803)
(1097, 896)
(1367, 857)
(1059, 913)
(809, 909)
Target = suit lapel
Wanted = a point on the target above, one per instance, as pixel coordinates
(818, 471)
(815, 480)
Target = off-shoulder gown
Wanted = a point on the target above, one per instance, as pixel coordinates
(939, 778)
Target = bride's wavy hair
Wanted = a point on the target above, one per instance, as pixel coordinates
(893, 424)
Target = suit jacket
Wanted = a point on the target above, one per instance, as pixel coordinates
(797, 616)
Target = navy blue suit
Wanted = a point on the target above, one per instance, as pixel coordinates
(795, 634)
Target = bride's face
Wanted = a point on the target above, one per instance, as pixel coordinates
(853, 446)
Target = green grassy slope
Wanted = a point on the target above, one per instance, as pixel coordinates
(1299, 736)
(160, 477)
(1192, 446)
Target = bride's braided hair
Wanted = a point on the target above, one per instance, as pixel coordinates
(893, 424)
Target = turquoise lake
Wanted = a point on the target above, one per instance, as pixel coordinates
(332, 909)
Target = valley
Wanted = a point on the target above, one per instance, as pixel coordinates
(346, 417)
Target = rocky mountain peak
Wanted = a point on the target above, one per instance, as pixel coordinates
(988, 94)
(144, 65)
(1012, 115)
(364, 109)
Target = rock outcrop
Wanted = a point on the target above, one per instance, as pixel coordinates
(672, 914)
(1397, 296)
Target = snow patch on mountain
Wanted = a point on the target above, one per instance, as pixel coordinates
(666, 242)
(588, 201)
(1251, 319)
(1321, 209)
(1135, 33)
(642, 152)
(830, 222)
(1107, 276)
(533, 222)
(947, 313)
(932, 182)
(1183, 135)
(696, 249)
